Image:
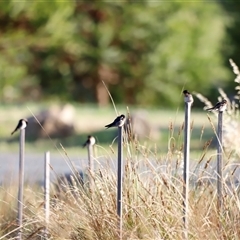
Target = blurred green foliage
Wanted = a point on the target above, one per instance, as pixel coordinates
(145, 51)
(231, 49)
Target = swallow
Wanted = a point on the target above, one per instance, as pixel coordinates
(118, 122)
(188, 98)
(90, 141)
(21, 125)
(219, 106)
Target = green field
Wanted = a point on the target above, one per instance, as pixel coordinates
(90, 119)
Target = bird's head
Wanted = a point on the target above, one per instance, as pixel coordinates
(24, 120)
(186, 92)
(122, 117)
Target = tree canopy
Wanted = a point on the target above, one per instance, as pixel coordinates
(145, 52)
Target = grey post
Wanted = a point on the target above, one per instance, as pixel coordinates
(219, 160)
(46, 191)
(120, 178)
(90, 157)
(90, 164)
(186, 164)
(21, 183)
(90, 143)
(188, 99)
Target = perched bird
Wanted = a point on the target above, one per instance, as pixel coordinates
(21, 125)
(188, 98)
(118, 122)
(90, 141)
(220, 106)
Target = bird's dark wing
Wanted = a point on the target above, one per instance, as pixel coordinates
(15, 129)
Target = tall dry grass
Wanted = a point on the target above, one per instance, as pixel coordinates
(152, 203)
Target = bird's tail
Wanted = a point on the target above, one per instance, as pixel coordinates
(209, 109)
